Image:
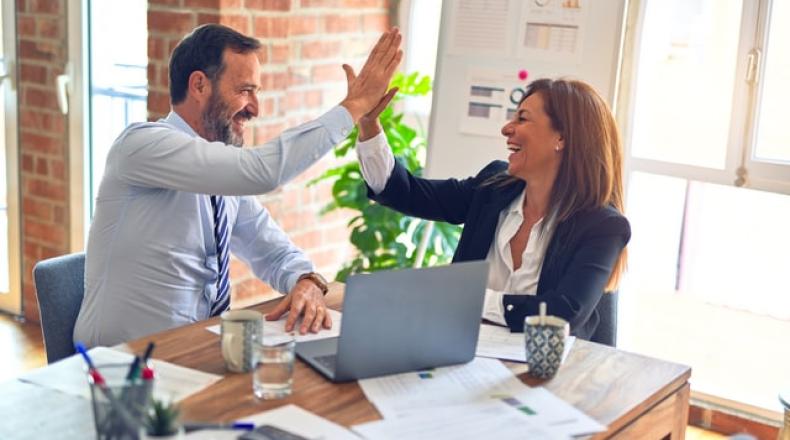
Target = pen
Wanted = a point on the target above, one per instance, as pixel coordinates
(81, 350)
(189, 427)
(148, 381)
(133, 369)
(148, 350)
(100, 383)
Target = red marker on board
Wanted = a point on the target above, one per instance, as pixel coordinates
(523, 74)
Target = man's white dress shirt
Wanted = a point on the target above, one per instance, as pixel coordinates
(151, 254)
(377, 162)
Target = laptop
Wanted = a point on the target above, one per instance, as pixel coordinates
(404, 320)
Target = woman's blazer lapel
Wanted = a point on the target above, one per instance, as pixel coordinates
(481, 223)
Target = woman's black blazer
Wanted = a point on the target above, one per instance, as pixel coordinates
(578, 261)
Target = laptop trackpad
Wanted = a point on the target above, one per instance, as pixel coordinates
(321, 354)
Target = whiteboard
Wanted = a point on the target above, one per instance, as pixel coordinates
(485, 49)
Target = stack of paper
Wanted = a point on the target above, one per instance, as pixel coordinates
(290, 418)
(69, 375)
(274, 331)
(489, 419)
(498, 342)
(33, 412)
(430, 399)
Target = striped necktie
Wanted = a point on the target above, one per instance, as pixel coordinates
(222, 302)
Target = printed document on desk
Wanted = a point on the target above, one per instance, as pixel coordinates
(499, 343)
(408, 394)
(33, 412)
(274, 331)
(488, 419)
(290, 418)
(173, 382)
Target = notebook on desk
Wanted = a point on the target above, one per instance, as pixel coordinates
(403, 320)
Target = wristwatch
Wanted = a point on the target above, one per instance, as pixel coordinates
(317, 279)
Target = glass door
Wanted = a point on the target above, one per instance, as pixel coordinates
(10, 284)
(118, 78)
(108, 91)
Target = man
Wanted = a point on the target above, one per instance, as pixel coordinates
(176, 195)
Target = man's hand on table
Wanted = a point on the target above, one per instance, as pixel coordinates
(304, 299)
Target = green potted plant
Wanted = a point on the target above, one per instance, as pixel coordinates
(162, 422)
(386, 239)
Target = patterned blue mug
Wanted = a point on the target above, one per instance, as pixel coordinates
(544, 343)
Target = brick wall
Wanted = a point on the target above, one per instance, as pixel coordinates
(305, 42)
(41, 27)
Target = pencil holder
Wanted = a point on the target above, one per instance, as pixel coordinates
(119, 405)
(544, 343)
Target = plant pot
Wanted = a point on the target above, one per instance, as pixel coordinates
(178, 435)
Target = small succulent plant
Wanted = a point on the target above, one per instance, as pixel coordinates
(162, 418)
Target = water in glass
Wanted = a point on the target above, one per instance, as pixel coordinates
(273, 375)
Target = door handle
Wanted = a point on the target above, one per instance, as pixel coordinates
(64, 87)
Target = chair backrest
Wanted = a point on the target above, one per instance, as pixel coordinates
(60, 286)
(606, 333)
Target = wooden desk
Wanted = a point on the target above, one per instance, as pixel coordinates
(635, 396)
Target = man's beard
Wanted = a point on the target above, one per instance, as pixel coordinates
(218, 122)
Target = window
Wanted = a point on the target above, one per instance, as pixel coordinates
(10, 281)
(118, 77)
(107, 84)
(708, 182)
(421, 29)
(687, 50)
(769, 158)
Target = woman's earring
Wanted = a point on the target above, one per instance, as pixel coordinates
(557, 148)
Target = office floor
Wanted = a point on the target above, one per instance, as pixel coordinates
(25, 348)
(719, 343)
(21, 347)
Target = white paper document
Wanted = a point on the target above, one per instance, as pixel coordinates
(491, 99)
(290, 418)
(409, 394)
(498, 342)
(489, 419)
(33, 412)
(172, 382)
(274, 331)
(552, 31)
(476, 381)
(480, 26)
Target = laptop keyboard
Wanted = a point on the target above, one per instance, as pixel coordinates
(327, 361)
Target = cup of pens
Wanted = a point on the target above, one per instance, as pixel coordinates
(119, 403)
(120, 395)
(544, 340)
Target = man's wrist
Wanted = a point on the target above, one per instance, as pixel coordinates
(318, 280)
(353, 108)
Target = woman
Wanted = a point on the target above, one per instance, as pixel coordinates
(549, 220)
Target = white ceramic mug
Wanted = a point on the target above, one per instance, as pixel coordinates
(239, 329)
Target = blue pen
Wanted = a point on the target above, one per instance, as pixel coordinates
(242, 426)
(98, 380)
(81, 350)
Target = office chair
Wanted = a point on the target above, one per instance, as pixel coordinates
(606, 333)
(60, 286)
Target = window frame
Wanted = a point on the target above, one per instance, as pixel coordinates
(759, 175)
(11, 301)
(739, 169)
(762, 174)
(78, 120)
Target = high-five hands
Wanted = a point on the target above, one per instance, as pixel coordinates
(369, 125)
(367, 90)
